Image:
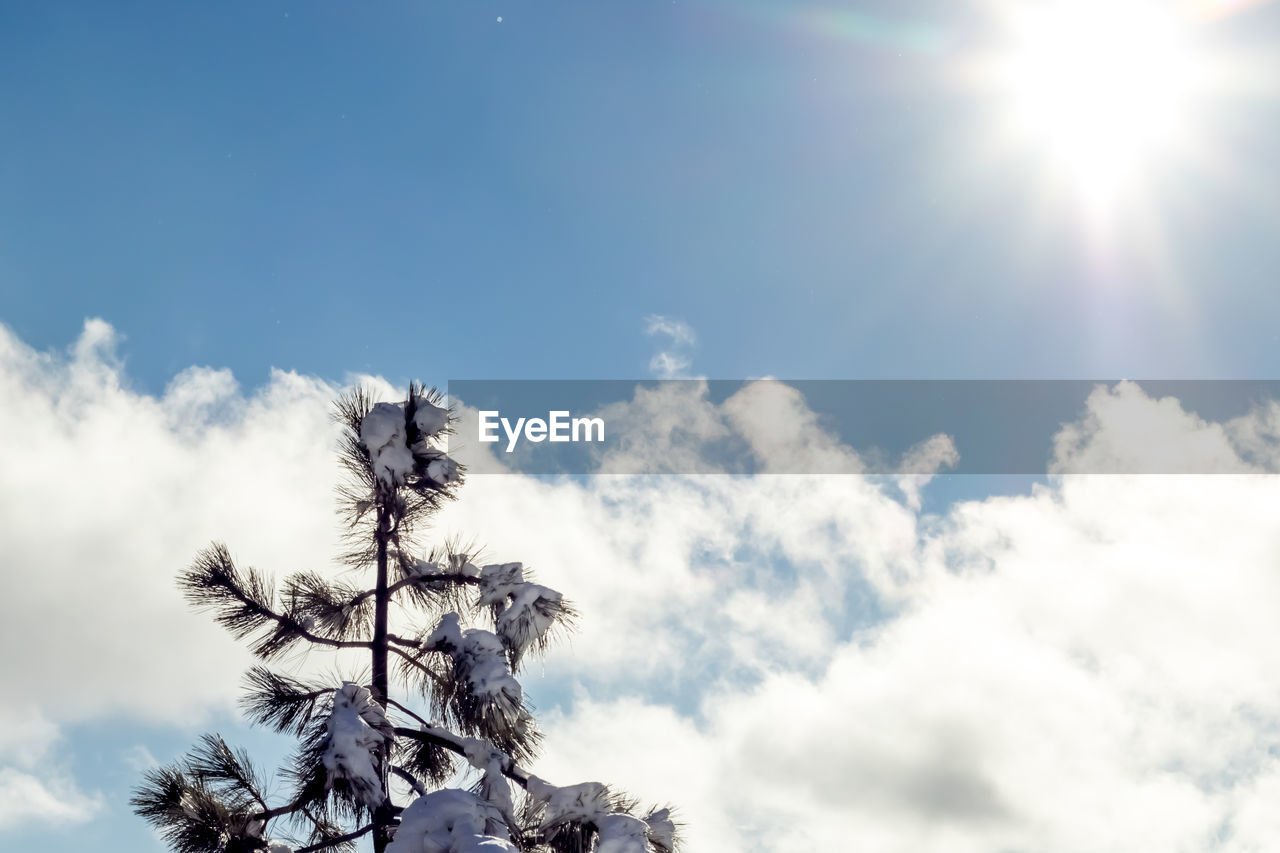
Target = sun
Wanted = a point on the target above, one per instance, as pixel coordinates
(1105, 89)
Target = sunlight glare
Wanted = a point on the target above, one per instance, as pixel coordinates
(1103, 87)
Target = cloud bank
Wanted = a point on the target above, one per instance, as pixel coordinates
(798, 662)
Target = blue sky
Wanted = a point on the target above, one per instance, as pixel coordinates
(419, 190)
(286, 184)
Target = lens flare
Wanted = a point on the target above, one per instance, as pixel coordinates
(1105, 88)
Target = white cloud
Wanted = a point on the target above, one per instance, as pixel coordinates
(669, 365)
(680, 332)
(25, 798)
(34, 784)
(1091, 667)
(139, 758)
(664, 430)
(690, 564)
(674, 360)
(106, 493)
(643, 760)
(1123, 431)
(25, 734)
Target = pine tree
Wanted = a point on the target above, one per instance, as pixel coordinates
(460, 718)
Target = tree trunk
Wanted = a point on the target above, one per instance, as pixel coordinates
(381, 690)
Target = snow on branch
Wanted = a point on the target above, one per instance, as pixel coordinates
(492, 785)
(456, 567)
(398, 438)
(400, 474)
(564, 816)
(579, 810)
(437, 582)
(524, 612)
(358, 738)
(481, 695)
(450, 821)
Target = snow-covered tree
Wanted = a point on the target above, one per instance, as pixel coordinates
(453, 740)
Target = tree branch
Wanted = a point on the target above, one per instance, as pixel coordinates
(292, 624)
(279, 811)
(453, 743)
(415, 662)
(341, 839)
(394, 704)
(418, 580)
(419, 788)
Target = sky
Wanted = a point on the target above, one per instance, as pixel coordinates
(215, 217)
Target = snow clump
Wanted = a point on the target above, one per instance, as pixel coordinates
(588, 802)
(480, 660)
(530, 608)
(384, 432)
(358, 731)
(448, 821)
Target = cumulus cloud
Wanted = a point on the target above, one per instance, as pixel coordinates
(799, 662)
(1090, 667)
(1123, 431)
(105, 493)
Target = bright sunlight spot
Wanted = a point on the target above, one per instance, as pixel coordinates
(1103, 87)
